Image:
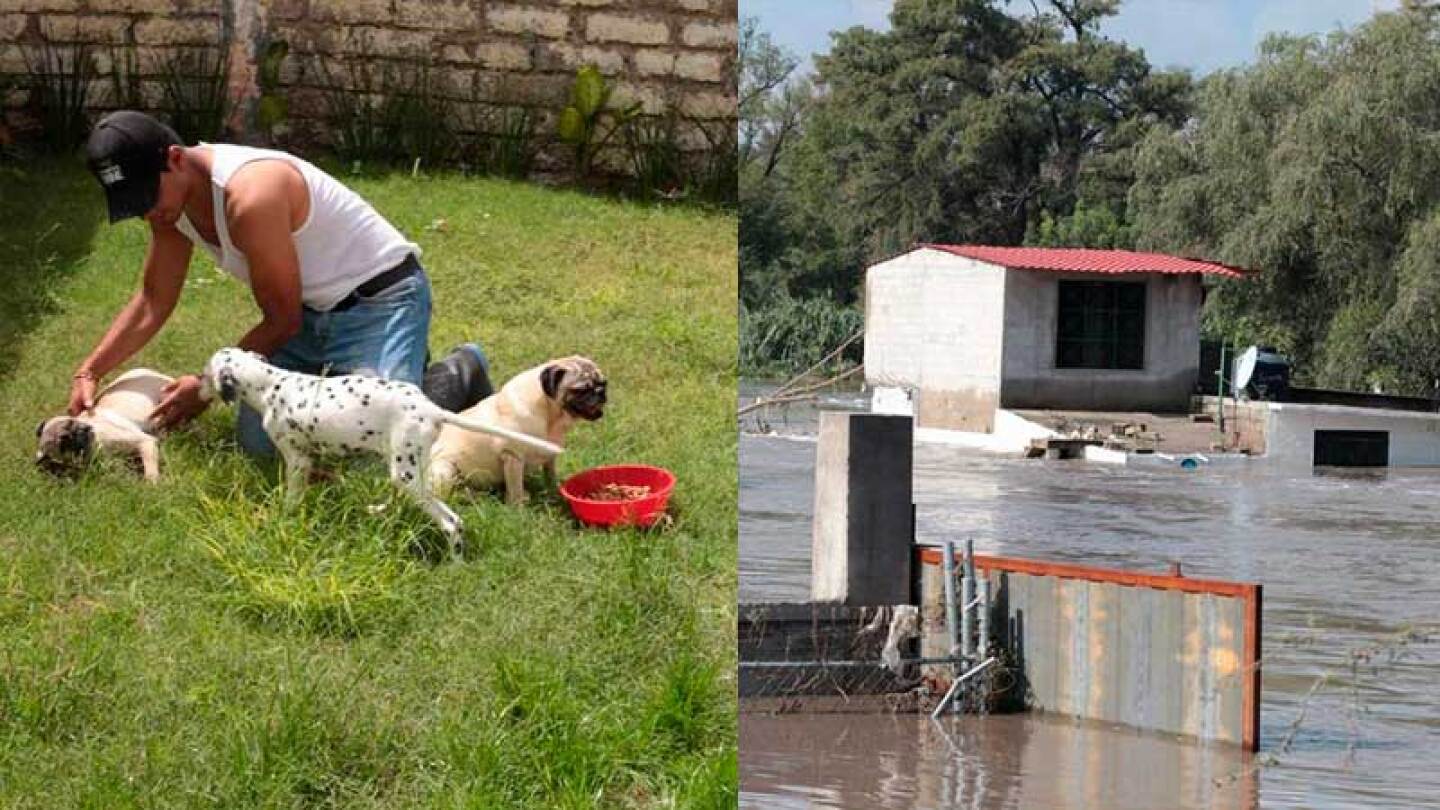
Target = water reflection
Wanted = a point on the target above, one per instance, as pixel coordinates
(905, 762)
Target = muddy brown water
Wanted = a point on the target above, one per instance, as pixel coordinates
(1349, 563)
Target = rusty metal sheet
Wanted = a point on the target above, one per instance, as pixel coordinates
(1104, 664)
(1194, 690)
(1227, 659)
(1163, 652)
(1166, 666)
(1041, 641)
(1135, 692)
(1073, 632)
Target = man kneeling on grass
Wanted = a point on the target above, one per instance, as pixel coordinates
(340, 290)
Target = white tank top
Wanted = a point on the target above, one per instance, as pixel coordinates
(342, 243)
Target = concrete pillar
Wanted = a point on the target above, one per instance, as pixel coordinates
(862, 534)
(243, 25)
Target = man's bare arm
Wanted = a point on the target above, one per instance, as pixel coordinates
(166, 263)
(260, 211)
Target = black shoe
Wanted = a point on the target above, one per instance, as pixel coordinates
(459, 379)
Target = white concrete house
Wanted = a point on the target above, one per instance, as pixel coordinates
(954, 333)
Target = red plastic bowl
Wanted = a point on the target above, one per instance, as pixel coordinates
(639, 512)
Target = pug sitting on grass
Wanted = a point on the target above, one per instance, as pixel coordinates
(543, 402)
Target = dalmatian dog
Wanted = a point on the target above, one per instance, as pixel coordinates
(308, 417)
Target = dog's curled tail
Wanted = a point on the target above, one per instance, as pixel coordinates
(543, 446)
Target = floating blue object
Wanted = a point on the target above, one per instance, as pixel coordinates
(1189, 464)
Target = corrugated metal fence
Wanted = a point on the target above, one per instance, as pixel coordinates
(1160, 652)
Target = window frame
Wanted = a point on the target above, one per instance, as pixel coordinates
(1103, 342)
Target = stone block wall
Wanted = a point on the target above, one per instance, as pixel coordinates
(483, 55)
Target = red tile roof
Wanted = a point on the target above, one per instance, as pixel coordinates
(1081, 260)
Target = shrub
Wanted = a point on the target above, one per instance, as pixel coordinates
(196, 86)
(790, 334)
(59, 84)
(388, 115)
(586, 123)
(500, 142)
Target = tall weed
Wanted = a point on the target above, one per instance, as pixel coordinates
(60, 81)
(500, 142)
(653, 149)
(792, 333)
(325, 565)
(388, 114)
(196, 85)
(125, 79)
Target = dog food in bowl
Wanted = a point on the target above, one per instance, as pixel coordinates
(620, 495)
(619, 492)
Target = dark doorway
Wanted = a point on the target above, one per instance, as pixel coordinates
(1352, 448)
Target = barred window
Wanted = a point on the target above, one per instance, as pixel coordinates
(1101, 324)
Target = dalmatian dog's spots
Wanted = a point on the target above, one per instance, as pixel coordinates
(308, 417)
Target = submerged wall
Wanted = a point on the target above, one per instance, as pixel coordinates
(1290, 432)
(1163, 653)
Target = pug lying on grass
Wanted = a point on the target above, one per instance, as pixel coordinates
(119, 424)
(543, 402)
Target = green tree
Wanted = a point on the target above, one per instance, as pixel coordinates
(966, 124)
(1319, 168)
(1093, 227)
(767, 111)
(772, 105)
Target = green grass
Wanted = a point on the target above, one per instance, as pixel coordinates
(199, 644)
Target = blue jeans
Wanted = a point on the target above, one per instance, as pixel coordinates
(385, 335)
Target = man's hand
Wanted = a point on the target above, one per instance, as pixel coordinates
(82, 393)
(182, 403)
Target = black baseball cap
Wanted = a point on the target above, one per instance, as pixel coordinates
(126, 152)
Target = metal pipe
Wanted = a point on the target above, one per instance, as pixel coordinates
(1220, 392)
(947, 567)
(955, 687)
(967, 595)
(1234, 402)
(982, 645)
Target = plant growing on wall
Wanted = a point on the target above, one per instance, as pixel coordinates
(717, 176)
(59, 83)
(500, 142)
(392, 114)
(512, 151)
(419, 115)
(664, 168)
(8, 151)
(273, 108)
(125, 79)
(582, 121)
(196, 87)
(657, 160)
(352, 112)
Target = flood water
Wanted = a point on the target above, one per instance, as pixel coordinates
(1349, 563)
